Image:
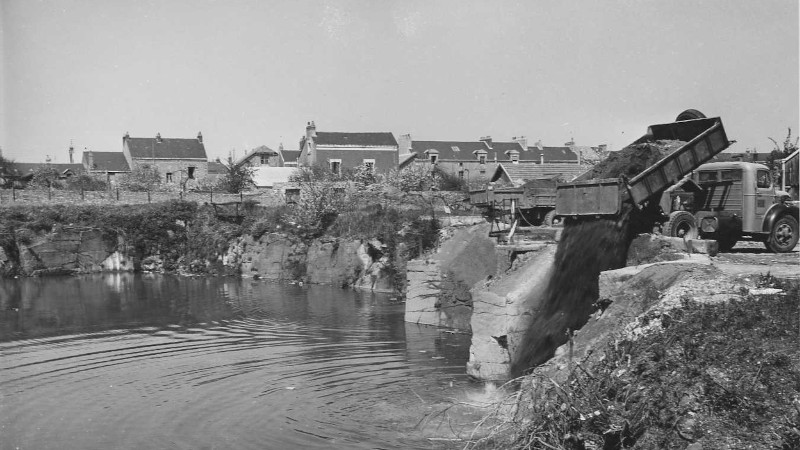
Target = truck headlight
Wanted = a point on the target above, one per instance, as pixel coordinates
(709, 224)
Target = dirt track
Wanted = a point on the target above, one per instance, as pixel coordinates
(752, 259)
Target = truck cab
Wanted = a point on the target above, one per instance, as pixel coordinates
(730, 201)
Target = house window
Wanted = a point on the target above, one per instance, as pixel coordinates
(190, 172)
(514, 158)
(264, 160)
(169, 177)
(434, 158)
(455, 149)
(460, 174)
(336, 166)
(482, 159)
(370, 163)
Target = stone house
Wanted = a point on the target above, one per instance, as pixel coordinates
(107, 166)
(345, 150)
(179, 161)
(480, 160)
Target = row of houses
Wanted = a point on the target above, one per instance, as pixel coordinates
(185, 161)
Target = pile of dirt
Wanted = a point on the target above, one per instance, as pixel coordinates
(631, 160)
(586, 248)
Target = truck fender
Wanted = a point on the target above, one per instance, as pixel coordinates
(777, 211)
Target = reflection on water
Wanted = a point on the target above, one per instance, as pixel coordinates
(133, 361)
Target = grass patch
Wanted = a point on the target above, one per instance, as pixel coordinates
(724, 375)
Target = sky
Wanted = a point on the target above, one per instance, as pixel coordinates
(252, 72)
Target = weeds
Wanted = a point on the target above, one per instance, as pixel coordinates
(725, 375)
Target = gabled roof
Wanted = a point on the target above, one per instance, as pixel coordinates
(27, 169)
(524, 171)
(355, 139)
(290, 155)
(258, 151)
(405, 159)
(167, 148)
(216, 168)
(551, 154)
(107, 161)
(446, 149)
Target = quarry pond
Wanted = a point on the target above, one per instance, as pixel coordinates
(155, 361)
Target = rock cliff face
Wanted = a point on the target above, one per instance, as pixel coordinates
(69, 250)
(340, 262)
(439, 285)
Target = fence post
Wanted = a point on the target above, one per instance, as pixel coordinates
(180, 194)
(117, 194)
(82, 196)
(13, 194)
(49, 190)
(212, 195)
(148, 196)
(241, 197)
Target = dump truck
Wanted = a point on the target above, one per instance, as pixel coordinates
(728, 201)
(532, 204)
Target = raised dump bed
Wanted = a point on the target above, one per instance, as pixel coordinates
(703, 137)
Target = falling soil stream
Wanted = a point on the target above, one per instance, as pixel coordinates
(128, 361)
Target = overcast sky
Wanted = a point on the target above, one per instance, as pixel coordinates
(253, 72)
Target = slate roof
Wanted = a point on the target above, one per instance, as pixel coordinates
(290, 155)
(22, 169)
(551, 154)
(216, 168)
(355, 139)
(168, 148)
(107, 161)
(446, 151)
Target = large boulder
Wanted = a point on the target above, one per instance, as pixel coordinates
(66, 250)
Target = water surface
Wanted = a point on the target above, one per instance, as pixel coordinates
(129, 361)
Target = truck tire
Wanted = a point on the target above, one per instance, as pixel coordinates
(681, 224)
(552, 220)
(690, 114)
(783, 236)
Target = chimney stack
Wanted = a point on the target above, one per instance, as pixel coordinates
(158, 138)
(126, 136)
(71, 152)
(200, 137)
(90, 159)
(311, 130)
(522, 141)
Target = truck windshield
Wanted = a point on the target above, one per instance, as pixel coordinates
(763, 180)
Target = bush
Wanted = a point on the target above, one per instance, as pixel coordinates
(141, 178)
(85, 182)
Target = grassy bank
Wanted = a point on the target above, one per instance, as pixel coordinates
(720, 375)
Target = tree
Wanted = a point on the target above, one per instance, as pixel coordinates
(779, 153)
(45, 176)
(141, 178)
(237, 178)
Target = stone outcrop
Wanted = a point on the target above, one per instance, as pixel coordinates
(502, 311)
(440, 284)
(273, 256)
(339, 262)
(68, 250)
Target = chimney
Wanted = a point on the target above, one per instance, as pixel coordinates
(126, 136)
(539, 145)
(541, 158)
(311, 129)
(404, 143)
(522, 141)
(158, 138)
(71, 152)
(90, 159)
(487, 140)
(199, 137)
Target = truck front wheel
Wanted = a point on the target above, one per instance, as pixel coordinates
(783, 236)
(681, 224)
(552, 220)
